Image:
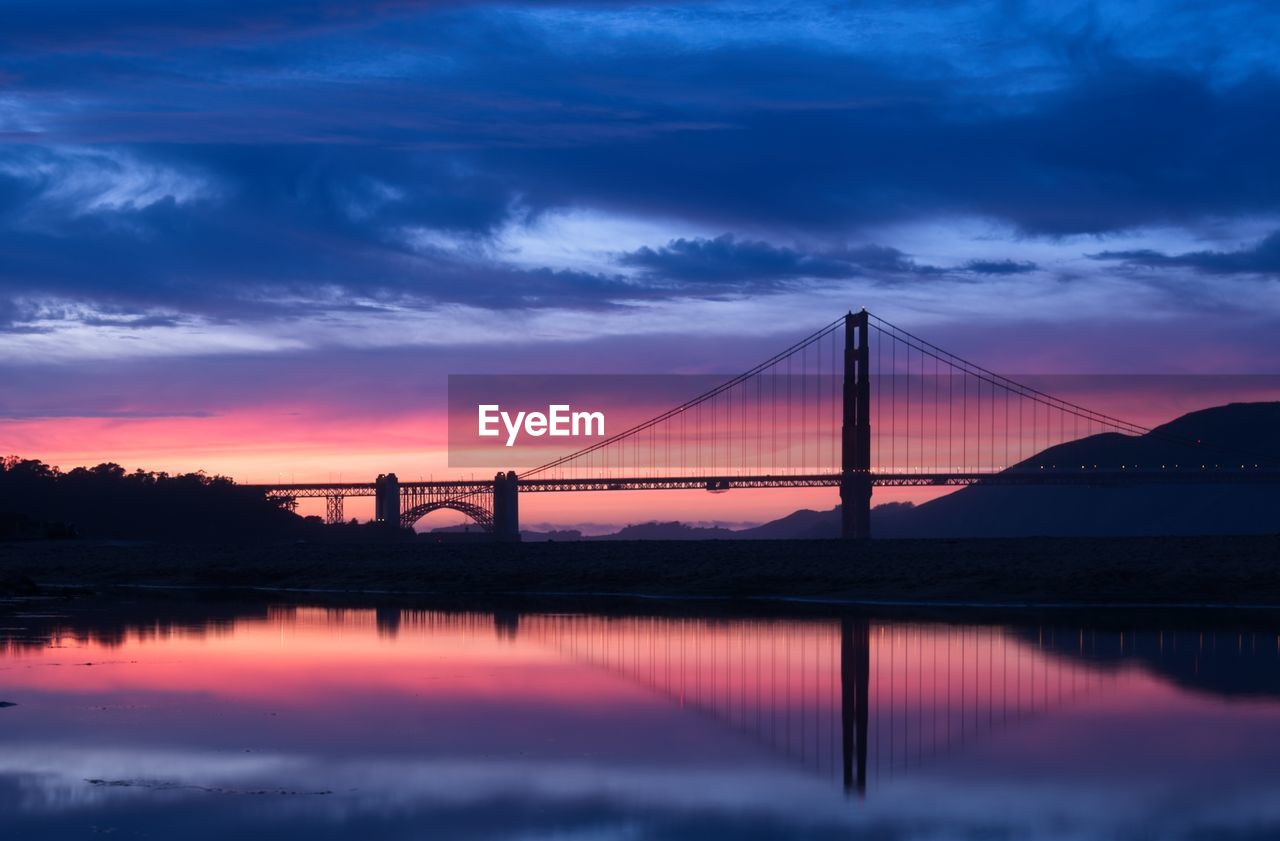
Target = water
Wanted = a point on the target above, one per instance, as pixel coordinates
(221, 720)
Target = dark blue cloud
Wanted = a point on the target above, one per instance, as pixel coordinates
(754, 263)
(317, 140)
(1112, 152)
(280, 233)
(729, 259)
(1000, 267)
(791, 135)
(150, 26)
(1262, 258)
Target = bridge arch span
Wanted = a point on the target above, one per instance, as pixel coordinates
(481, 515)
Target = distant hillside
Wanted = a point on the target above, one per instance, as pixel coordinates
(640, 531)
(1217, 436)
(668, 531)
(808, 524)
(1220, 436)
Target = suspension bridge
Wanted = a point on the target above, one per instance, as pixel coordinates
(858, 404)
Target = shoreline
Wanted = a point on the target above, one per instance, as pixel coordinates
(1170, 573)
(776, 601)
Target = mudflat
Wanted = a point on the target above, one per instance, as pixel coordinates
(1241, 570)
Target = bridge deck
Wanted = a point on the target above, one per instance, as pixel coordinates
(811, 480)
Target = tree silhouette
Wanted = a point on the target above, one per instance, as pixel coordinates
(107, 501)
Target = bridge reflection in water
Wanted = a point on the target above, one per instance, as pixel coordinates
(857, 700)
(156, 715)
(854, 699)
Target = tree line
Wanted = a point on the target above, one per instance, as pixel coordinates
(106, 501)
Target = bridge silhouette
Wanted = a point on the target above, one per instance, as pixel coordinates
(858, 404)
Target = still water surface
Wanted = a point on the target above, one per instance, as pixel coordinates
(240, 722)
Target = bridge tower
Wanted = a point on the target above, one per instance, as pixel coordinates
(506, 506)
(855, 433)
(386, 500)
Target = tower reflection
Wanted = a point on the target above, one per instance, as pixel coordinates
(855, 691)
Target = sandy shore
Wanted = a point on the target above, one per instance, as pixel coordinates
(1151, 571)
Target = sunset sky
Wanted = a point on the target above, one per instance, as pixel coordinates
(254, 238)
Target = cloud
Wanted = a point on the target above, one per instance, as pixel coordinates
(727, 259)
(783, 135)
(153, 25)
(756, 264)
(276, 236)
(49, 185)
(1000, 267)
(1114, 148)
(887, 260)
(280, 161)
(149, 26)
(1260, 258)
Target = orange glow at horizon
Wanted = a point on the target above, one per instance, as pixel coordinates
(316, 442)
(290, 444)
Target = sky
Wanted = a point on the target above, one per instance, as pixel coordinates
(254, 238)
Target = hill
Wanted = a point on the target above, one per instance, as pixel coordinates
(1216, 436)
(1211, 437)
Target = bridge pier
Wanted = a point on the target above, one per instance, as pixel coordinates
(386, 500)
(333, 509)
(855, 507)
(506, 506)
(855, 432)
